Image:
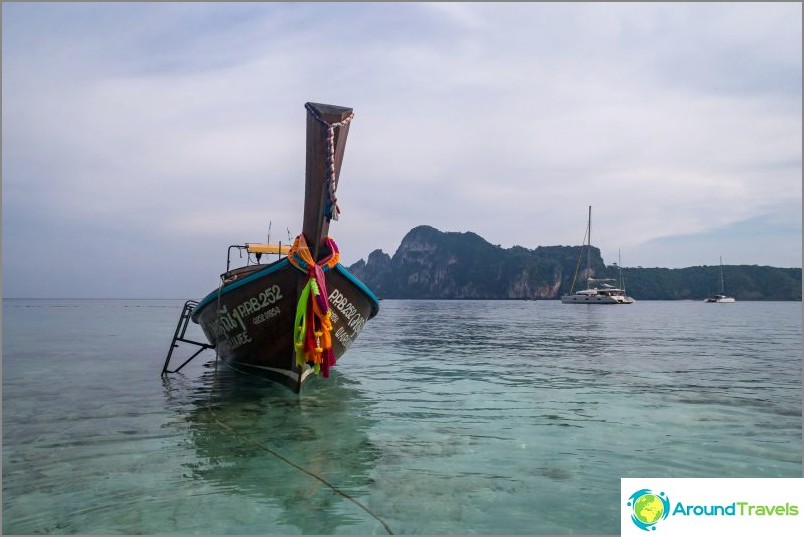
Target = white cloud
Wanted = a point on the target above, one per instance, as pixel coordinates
(672, 120)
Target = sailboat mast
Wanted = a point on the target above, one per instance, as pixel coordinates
(589, 248)
(722, 291)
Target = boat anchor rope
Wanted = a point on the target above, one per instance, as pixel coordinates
(284, 459)
(313, 325)
(331, 210)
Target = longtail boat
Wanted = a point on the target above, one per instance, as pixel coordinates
(292, 318)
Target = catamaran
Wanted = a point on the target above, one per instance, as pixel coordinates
(598, 290)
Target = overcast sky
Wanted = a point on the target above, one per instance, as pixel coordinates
(141, 140)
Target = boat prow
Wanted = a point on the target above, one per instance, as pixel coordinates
(295, 317)
(253, 319)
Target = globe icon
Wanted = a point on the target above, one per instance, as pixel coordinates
(648, 508)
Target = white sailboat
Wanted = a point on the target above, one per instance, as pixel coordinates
(721, 297)
(597, 291)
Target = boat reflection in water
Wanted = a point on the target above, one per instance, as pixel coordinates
(254, 438)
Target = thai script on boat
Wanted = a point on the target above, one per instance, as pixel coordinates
(267, 315)
(351, 318)
(344, 337)
(237, 340)
(267, 298)
(227, 322)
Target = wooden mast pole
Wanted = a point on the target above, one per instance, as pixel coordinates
(315, 225)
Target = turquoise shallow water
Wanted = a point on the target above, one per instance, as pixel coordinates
(445, 417)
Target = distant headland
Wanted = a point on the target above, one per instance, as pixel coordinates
(433, 264)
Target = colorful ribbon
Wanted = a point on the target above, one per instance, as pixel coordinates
(313, 325)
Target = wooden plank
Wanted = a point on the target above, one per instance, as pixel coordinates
(314, 226)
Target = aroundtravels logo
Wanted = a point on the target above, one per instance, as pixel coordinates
(648, 508)
(684, 506)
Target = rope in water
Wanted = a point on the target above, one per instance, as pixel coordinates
(308, 340)
(331, 210)
(284, 459)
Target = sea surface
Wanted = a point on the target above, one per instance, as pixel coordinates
(445, 417)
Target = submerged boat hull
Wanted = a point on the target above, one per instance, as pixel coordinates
(250, 320)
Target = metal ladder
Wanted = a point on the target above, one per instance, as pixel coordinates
(179, 335)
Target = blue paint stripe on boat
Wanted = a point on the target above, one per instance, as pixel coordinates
(270, 269)
(213, 296)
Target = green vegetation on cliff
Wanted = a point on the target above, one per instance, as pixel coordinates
(445, 265)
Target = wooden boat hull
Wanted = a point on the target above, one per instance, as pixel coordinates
(251, 320)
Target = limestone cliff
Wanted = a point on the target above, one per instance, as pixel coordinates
(433, 264)
(447, 265)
